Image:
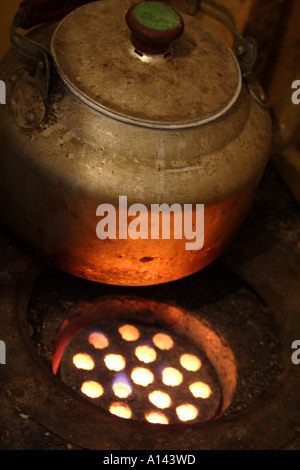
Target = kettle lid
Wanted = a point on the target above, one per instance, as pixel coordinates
(193, 81)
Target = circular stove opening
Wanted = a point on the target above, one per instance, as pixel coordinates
(146, 361)
(141, 372)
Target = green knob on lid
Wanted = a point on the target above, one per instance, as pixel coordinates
(157, 15)
(153, 25)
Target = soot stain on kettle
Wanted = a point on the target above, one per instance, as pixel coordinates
(146, 259)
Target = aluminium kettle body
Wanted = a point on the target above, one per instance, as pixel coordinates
(105, 125)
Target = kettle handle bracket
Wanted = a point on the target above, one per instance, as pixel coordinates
(245, 48)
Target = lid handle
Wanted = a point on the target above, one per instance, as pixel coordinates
(153, 26)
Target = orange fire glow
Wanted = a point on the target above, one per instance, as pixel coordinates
(98, 340)
(120, 409)
(83, 361)
(156, 417)
(122, 390)
(141, 376)
(92, 389)
(186, 412)
(171, 376)
(160, 399)
(200, 390)
(129, 332)
(163, 341)
(115, 362)
(190, 362)
(145, 354)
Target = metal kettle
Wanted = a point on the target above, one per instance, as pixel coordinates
(139, 102)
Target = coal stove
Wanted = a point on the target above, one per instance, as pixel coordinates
(200, 363)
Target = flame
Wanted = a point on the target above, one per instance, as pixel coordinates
(115, 362)
(171, 376)
(163, 341)
(83, 361)
(129, 332)
(92, 389)
(160, 399)
(200, 390)
(190, 362)
(145, 354)
(120, 409)
(157, 417)
(122, 389)
(98, 340)
(142, 376)
(186, 412)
